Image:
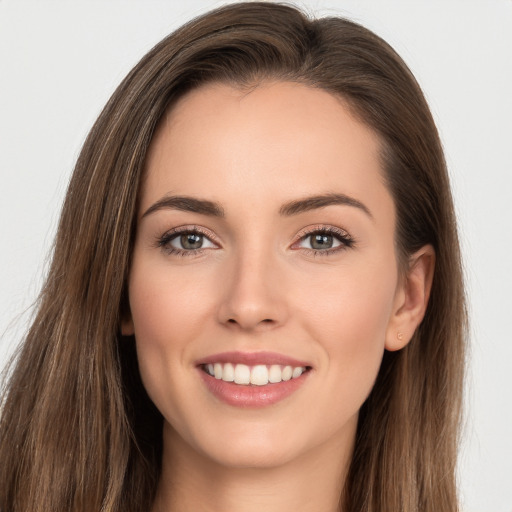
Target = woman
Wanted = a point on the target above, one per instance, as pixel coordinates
(255, 298)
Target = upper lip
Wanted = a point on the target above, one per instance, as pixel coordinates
(252, 359)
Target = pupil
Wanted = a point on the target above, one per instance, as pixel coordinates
(191, 241)
(321, 241)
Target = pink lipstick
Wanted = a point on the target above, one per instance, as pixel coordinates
(254, 379)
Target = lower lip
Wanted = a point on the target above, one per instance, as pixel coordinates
(250, 395)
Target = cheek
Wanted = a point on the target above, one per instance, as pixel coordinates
(165, 304)
(352, 304)
(349, 319)
(168, 312)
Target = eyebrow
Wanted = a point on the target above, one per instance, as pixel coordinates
(187, 204)
(321, 201)
(213, 209)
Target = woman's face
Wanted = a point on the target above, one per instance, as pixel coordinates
(265, 240)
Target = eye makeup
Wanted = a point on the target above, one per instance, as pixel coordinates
(323, 240)
(191, 240)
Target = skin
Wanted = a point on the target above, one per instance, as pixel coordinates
(256, 285)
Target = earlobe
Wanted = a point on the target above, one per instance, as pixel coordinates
(411, 299)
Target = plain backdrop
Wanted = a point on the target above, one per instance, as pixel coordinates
(61, 60)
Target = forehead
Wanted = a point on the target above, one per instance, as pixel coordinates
(276, 140)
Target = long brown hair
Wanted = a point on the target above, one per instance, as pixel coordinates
(78, 432)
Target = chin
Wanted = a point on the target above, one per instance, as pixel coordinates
(263, 445)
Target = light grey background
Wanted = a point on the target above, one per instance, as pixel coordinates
(60, 61)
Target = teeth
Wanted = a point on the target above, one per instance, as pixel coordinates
(258, 375)
(242, 374)
(274, 374)
(228, 372)
(297, 372)
(287, 373)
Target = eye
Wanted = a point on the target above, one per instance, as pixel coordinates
(185, 241)
(320, 241)
(324, 240)
(190, 241)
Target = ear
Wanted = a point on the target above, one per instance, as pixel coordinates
(411, 298)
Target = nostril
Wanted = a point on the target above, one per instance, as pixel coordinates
(265, 321)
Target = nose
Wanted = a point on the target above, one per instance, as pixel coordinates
(254, 293)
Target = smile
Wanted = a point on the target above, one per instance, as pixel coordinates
(258, 375)
(253, 380)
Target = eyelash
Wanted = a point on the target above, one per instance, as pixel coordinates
(164, 241)
(346, 241)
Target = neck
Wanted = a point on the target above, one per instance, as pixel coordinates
(191, 481)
